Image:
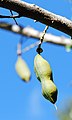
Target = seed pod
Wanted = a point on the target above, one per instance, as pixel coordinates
(22, 69)
(42, 68)
(44, 75)
(49, 90)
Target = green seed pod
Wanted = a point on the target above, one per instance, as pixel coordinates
(49, 90)
(44, 75)
(22, 69)
(42, 68)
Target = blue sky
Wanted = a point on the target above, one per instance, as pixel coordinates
(24, 101)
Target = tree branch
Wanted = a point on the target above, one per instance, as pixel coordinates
(35, 12)
(30, 32)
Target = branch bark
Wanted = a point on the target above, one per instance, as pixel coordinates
(35, 12)
(30, 32)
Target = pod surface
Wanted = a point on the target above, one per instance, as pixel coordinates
(42, 67)
(49, 90)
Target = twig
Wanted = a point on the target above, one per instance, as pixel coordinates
(31, 32)
(39, 14)
(30, 47)
(13, 16)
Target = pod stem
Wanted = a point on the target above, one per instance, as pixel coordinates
(44, 32)
(39, 49)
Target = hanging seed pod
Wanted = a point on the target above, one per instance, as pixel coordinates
(44, 75)
(42, 68)
(22, 69)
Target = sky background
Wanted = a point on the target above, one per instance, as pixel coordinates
(24, 101)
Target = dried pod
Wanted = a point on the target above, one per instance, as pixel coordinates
(22, 69)
(44, 75)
